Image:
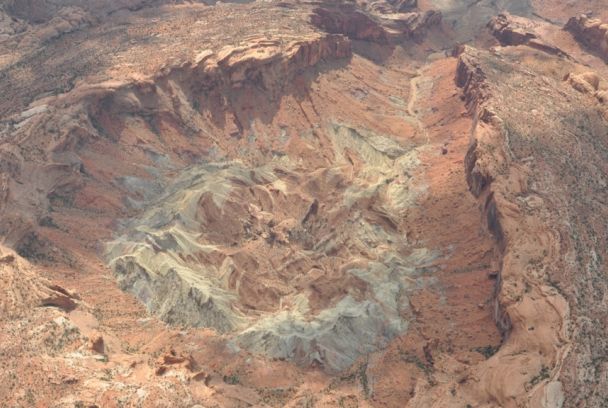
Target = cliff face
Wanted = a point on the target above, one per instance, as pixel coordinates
(536, 195)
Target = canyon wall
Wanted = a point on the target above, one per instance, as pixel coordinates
(517, 171)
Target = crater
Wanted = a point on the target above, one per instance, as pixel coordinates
(310, 266)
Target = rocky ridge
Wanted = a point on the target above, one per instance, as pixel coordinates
(504, 168)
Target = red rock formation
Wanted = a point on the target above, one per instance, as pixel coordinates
(593, 33)
(470, 77)
(377, 25)
(348, 20)
(510, 30)
(60, 301)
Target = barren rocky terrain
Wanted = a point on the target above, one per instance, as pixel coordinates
(327, 203)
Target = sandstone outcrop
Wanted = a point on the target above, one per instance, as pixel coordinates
(381, 23)
(510, 30)
(587, 82)
(593, 33)
(23, 290)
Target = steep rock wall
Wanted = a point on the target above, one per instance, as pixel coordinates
(538, 303)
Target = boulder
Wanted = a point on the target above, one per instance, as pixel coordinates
(592, 33)
(97, 344)
(587, 82)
